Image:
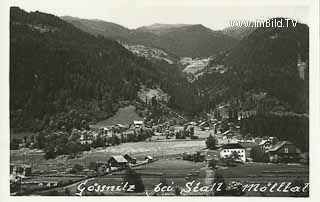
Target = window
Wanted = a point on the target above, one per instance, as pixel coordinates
(286, 150)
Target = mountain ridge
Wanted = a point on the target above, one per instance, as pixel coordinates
(181, 40)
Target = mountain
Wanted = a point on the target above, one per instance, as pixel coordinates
(271, 61)
(158, 28)
(193, 41)
(56, 69)
(99, 27)
(272, 46)
(238, 32)
(176, 39)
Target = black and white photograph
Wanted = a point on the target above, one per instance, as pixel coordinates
(160, 98)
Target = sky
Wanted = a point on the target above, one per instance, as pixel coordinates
(135, 13)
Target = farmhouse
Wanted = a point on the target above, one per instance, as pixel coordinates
(138, 124)
(283, 151)
(265, 144)
(205, 125)
(223, 111)
(228, 150)
(118, 161)
(148, 158)
(105, 132)
(246, 114)
(130, 159)
(24, 170)
(228, 133)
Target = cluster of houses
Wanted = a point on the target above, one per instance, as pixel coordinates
(241, 149)
(88, 136)
(277, 151)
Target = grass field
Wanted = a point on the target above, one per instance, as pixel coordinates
(124, 116)
(264, 173)
(173, 171)
(136, 149)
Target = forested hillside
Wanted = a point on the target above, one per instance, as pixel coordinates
(266, 61)
(63, 76)
(57, 69)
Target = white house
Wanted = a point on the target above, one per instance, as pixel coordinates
(138, 124)
(105, 132)
(86, 137)
(228, 149)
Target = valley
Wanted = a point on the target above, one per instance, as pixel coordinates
(163, 103)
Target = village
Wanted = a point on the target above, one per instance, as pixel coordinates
(202, 146)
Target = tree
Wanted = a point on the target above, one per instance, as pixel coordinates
(134, 178)
(14, 143)
(259, 155)
(49, 152)
(73, 148)
(115, 140)
(77, 168)
(211, 142)
(40, 141)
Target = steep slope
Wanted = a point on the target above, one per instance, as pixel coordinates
(271, 60)
(272, 46)
(176, 39)
(56, 68)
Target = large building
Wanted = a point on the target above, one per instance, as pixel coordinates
(236, 149)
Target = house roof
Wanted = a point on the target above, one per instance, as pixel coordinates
(226, 132)
(127, 156)
(119, 159)
(120, 125)
(137, 122)
(263, 142)
(278, 145)
(248, 144)
(232, 146)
